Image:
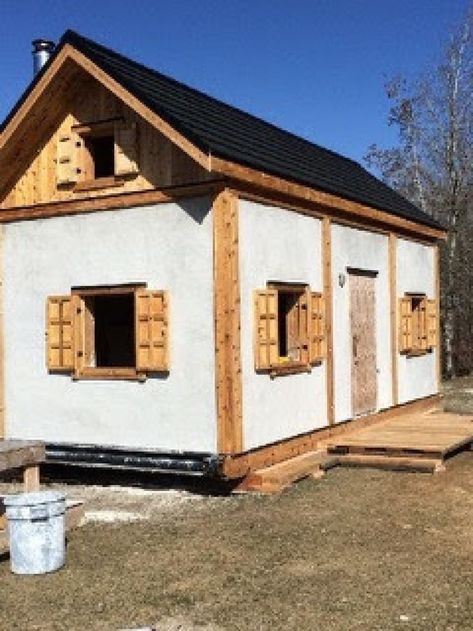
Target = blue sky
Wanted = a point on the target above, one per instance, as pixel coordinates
(315, 67)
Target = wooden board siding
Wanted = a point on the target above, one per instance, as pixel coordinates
(227, 324)
(363, 335)
(161, 162)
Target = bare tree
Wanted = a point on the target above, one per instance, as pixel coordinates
(433, 166)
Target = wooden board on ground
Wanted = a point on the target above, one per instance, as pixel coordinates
(277, 477)
(15, 454)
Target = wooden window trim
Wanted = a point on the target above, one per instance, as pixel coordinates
(113, 127)
(99, 183)
(416, 350)
(107, 289)
(112, 372)
(150, 335)
(306, 329)
(122, 374)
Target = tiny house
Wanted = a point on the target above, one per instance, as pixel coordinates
(186, 287)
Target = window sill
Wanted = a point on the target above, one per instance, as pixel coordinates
(101, 182)
(123, 374)
(288, 368)
(417, 353)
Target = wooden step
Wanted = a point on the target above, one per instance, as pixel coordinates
(392, 463)
(279, 476)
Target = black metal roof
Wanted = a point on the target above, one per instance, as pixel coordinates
(235, 135)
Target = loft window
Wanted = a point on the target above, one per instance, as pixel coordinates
(119, 331)
(100, 152)
(289, 328)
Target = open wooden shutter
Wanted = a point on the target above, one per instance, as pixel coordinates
(432, 323)
(266, 328)
(126, 150)
(60, 333)
(405, 325)
(66, 159)
(152, 331)
(316, 331)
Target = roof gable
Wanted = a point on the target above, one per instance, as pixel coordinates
(204, 127)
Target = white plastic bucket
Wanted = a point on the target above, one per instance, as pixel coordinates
(36, 531)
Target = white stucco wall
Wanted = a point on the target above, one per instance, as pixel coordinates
(168, 246)
(416, 274)
(366, 251)
(277, 245)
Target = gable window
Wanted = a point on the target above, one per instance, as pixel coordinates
(418, 327)
(96, 155)
(289, 328)
(108, 332)
(100, 156)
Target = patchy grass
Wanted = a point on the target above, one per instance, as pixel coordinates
(458, 395)
(359, 549)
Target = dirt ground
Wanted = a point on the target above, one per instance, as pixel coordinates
(358, 549)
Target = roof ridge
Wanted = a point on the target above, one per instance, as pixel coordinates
(71, 36)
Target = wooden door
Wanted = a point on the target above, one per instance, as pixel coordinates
(363, 341)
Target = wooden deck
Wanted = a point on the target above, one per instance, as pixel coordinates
(409, 441)
(416, 439)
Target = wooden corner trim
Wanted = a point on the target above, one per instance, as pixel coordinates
(34, 95)
(327, 281)
(227, 323)
(326, 202)
(393, 310)
(2, 339)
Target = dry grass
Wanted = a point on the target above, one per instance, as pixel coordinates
(359, 549)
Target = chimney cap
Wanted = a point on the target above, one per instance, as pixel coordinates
(43, 44)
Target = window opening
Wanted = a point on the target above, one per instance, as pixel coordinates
(289, 330)
(419, 324)
(112, 342)
(101, 150)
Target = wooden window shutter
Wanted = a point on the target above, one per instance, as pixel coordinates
(316, 327)
(266, 328)
(126, 150)
(60, 333)
(405, 325)
(152, 330)
(66, 160)
(432, 323)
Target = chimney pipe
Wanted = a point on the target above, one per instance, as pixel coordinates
(42, 51)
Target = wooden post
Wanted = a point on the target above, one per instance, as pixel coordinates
(392, 256)
(327, 276)
(227, 324)
(31, 478)
(438, 348)
(2, 337)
